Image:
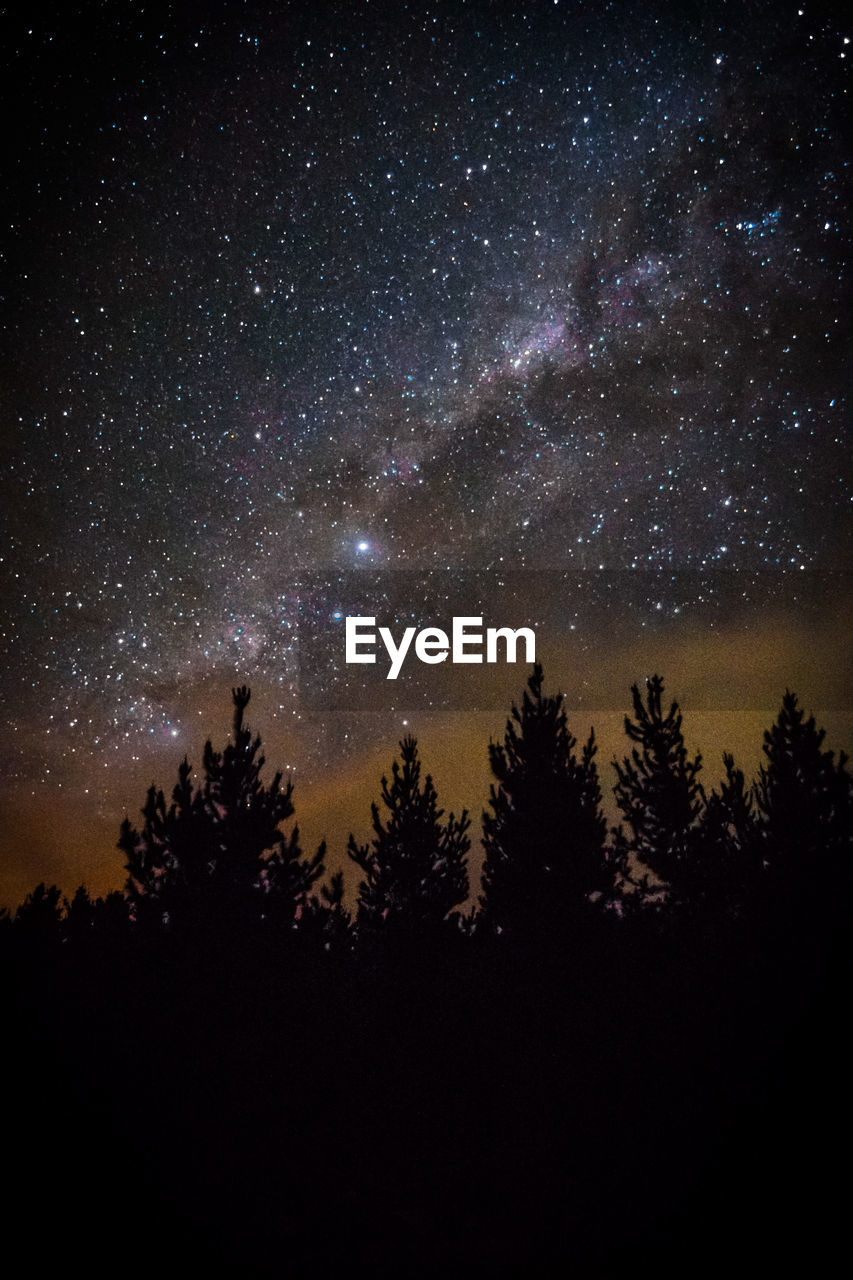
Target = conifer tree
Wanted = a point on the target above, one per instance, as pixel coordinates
(415, 864)
(325, 919)
(728, 868)
(85, 918)
(659, 795)
(805, 804)
(544, 838)
(78, 915)
(217, 851)
(39, 915)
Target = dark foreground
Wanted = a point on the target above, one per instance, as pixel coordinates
(640, 1094)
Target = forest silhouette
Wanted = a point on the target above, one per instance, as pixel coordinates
(625, 1050)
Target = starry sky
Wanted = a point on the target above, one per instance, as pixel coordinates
(536, 311)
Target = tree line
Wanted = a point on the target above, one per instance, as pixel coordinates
(627, 1052)
(214, 855)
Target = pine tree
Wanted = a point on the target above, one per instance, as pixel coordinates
(325, 919)
(544, 839)
(805, 805)
(728, 868)
(39, 916)
(415, 864)
(78, 916)
(86, 918)
(216, 852)
(170, 862)
(659, 795)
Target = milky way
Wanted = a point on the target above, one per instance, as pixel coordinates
(310, 313)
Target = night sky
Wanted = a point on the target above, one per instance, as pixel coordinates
(534, 311)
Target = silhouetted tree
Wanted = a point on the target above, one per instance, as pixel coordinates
(415, 865)
(805, 803)
(217, 850)
(659, 796)
(79, 915)
(111, 914)
(544, 839)
(325, 918)
(86, 917)
(728, 868)
(38, 917)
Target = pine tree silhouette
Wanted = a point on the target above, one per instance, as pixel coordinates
(805, 803)
(729, 868)
(544, 839)
(217, 851)
(659, 796)
(85, 918)
(326, 919)
(415, 865)
(38, 918)
(79, 915)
